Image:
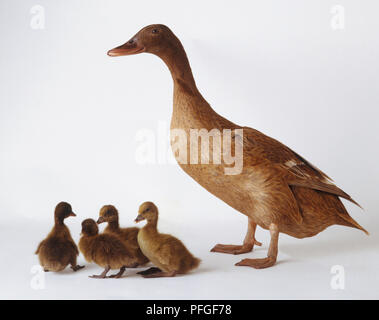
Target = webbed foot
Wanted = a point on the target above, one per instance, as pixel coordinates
(235, 249)
(119, 274)
(257, 263)
(161, 274)
(149, 271)
(77, 267)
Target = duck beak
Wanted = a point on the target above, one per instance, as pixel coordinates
(133, 46)
(139, 218)
(72, 214)
(100, 220)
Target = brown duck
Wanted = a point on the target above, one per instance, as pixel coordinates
(59, 249)
(106, 250)
(109, 214)
(277, 189)
(168, 253)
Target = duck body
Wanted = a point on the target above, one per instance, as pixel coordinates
(127, 234)
(266, 189)
(106, 250)
(129, 237)
(109, 213)
(59, 250)
(165, 251)
(276, 188)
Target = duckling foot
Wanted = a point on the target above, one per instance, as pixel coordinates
(235, 249)
(257, 263)
(149, 271)
(119, 274)
(103, 275)
(161, 274)
(97, 276)
(77, 267)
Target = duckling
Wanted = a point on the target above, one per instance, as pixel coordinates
(164, 250)
(106, 250)
(109, 213)
(276, 188)
(58, 249)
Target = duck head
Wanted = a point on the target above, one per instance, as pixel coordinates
(147, 211)
(108, 213)
(89, 227)
(63, 210)
(159, 40)
(155, 39)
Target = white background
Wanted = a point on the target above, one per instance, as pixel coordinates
(69, 115)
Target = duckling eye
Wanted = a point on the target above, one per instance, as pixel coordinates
(146, 210)
(155, 31)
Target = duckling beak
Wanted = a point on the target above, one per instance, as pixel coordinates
(133, 46)
(100, 220)
(72, 214)
(139, 218)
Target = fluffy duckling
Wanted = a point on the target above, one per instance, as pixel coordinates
(58, 249)
(109, 214)
(106, 249)
(164, 250)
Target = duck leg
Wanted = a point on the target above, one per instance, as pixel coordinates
(103, 275)
(119, 274)
(76, 267)
(248, 242)
(161, 274)
(272, 252)
(149, 271)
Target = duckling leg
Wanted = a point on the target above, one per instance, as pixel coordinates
(161, 274)
(149, 271)
(248, 242)
(119, 274)
(272, 252)
(103, 275)
(76, 267)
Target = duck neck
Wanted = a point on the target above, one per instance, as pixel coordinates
(177, 62)
(59, 221)
(113, 225)
(152, 224)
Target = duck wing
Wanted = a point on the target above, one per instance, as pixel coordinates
(297, 170)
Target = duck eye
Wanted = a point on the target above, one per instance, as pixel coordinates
(154, 31)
